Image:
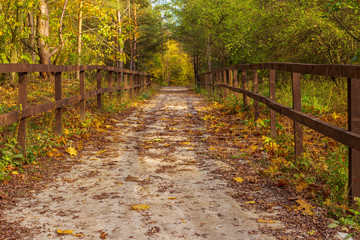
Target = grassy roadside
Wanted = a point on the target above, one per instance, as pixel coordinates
(321, 175)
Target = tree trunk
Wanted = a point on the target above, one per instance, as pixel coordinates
(43, 32)
(120, 62)
(15, 48)
(32, 37)
(135, 39)
(79, 46)
(208, 50)
(130, 40)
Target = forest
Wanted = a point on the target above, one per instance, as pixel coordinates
(137, 34)
(175, 41)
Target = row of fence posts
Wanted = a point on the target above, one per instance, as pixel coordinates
(230, 77)
(125, 80)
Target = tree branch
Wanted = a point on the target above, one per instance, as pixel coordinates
(343, 26)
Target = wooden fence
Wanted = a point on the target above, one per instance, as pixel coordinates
(351, 137)
(131, 81)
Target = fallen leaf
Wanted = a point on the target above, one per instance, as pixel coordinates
(265, 221)
(139, 207)
(312, 232)
(119, 183)
(15, 173)
(332, 225)
(3, 196)
(301, 186)
(250, 202)
(79, 235)
(100, 152)
(305, 206)
(71, 151)
(172, 198)
(239, 180)
(183, 221)
(68, 180)
(130, 178)
(103, 235)
(64, 232)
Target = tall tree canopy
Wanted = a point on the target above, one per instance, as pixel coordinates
(121, 33)
(221, 33)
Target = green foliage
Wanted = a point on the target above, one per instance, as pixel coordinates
(173, 67)
(251, 31)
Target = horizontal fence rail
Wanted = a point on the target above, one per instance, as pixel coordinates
(228, 79)
(126, 80)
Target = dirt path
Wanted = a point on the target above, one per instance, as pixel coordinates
(152, 160)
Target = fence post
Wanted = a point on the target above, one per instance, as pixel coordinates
(273, 98)
(354, 126)
(256, 90)
(131, 83)
(82, 93)
(98, 85)
(136, 83)
(236, 81)
(225, 82)
(118, 80)
(58, 96)
(22, 94)
(143, 82)
(110, 82)
(126, 85)
(217, 92)
(230, 79)
(298, 133)
(244, 86)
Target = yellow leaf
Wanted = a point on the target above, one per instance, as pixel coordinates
(305, 206)
(265, 221)
(66, 131)
(212, 149)
(327, 202)
(79, 235)
(312, 232)
(71, 151)
(172, 198)
(100, 152)
(250, 202)
(139, 207)
(50, 154)
(239, 180)
(103, 235)
(64, 232)
(186, 143)
(14, 173)
(183, 221)
(301, 186)
(119, 183)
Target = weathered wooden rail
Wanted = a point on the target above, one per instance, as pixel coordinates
(228, 78)
(131, 81)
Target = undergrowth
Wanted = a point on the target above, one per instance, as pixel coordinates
(321, 174)
(41, 140)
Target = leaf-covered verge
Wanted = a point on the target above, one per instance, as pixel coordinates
(320, 177)
(42, 142)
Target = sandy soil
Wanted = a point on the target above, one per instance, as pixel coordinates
(150, 161)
